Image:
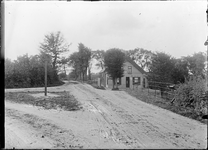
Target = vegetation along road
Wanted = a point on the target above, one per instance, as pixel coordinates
(105, 119)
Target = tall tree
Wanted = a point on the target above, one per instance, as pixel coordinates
(99, 56)
(75, 64)
(114, 59)
(142, 57)
(161, 67)
(54, 45)
(180, 71)
(196, 64)
(84, 58)
(161, 71)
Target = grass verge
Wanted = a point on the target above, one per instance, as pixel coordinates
(165, 104)
(63, 101)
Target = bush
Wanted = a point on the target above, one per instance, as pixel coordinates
(193, 94)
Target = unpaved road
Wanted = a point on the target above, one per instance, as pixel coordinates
(109, 119)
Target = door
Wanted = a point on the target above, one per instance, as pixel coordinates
(143, 82)
(127, 82)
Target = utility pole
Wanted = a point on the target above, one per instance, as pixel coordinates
(45, 77)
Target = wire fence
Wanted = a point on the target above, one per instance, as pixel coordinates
(161, 89)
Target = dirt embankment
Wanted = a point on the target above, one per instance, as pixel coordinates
(108, 119)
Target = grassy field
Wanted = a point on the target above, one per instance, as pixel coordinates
(166, 104)
(63, 100)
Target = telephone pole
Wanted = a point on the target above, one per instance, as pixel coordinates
(45, 77)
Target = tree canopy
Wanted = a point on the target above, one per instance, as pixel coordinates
(80, 62)
(27, 71)
(54, 45)
(114, 59)
(99, 56)
(141, 57)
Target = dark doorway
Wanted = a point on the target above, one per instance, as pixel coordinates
(143, 82)
(127, 82)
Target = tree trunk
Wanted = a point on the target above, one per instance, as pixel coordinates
(54, 62)
(89, 73)
(64, 69)
(113, 82)
(116, 82)
(83, 75)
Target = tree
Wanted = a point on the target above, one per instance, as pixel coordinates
(9, 72)
(84, 58)
(54, 45)
(63, 61)
(196, 64)
(27, 72)
(75, 64)
(161, 71)
(142, 57)
(161, 67)
(113, 62)
(99, 56)
(180, 72)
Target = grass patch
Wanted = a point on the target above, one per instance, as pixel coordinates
(165, 104)
(63, 101)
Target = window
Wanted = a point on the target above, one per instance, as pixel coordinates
(119, 81)
(136, 80)
(129, 70)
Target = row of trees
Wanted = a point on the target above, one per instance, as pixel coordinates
(160, 67)
(28, 71)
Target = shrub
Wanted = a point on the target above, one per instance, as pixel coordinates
(193, 94)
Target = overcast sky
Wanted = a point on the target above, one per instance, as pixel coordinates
(177, 28)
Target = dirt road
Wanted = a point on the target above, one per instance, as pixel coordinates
(109, 119)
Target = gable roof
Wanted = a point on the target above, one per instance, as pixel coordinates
(131, 62)
(134, 64)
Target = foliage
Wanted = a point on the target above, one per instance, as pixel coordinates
(145, 96)
(114, 60)
(141, 57)
(63, 62)
(28, 72)
(161, 67)
(193, 94)
(196, 64)
(63, 100)
(80, 61)
(180, 71)
(62, 76)
(99, 56)
(54, 45)
(84, 59)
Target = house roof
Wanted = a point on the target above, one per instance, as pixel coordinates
(206, 43)
(134, 64)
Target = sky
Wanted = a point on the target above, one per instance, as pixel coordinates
(177, 28)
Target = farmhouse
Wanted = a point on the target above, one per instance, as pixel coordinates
(134, 76)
